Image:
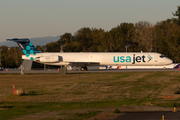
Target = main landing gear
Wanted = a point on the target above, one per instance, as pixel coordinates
(83, 68)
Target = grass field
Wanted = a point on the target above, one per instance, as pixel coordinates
(91, 96)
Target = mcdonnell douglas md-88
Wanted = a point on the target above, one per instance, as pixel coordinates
(85, 59)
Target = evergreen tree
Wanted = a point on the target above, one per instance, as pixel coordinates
(177, 13)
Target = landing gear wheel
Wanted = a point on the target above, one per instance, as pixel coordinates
(83, 68)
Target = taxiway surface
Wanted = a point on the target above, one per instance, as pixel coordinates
(89, 71)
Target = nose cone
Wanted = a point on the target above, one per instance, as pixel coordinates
(169, 61)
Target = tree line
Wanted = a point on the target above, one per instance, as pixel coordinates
(162, 37)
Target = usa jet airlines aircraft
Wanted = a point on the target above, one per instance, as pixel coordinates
(83, 60)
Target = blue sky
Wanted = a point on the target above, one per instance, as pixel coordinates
(40, 18)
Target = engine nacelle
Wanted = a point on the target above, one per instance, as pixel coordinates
(49, 59)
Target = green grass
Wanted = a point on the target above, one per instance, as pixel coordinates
(117, 77)
(67, 85)
(78, 92)
(15, 109)
(117, 111)
(168, 104)
(80, 116)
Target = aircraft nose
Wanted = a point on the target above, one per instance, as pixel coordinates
(169, 61)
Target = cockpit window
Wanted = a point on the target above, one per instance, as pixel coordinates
(161, 56)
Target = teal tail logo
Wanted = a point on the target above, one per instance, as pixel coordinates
(26, 46)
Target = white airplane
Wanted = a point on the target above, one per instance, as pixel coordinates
(84, 59)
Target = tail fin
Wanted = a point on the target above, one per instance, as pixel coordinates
(177, 66)
(26, 46)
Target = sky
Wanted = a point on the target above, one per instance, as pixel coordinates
(40, 18)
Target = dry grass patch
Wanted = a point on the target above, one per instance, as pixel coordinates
(95, 86)
(110, 89)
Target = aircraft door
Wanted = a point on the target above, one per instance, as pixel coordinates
(156, 59)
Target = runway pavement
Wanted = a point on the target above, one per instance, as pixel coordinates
(151, 115)
(89, 71)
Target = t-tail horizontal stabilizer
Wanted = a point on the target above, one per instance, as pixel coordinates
(26, 46)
